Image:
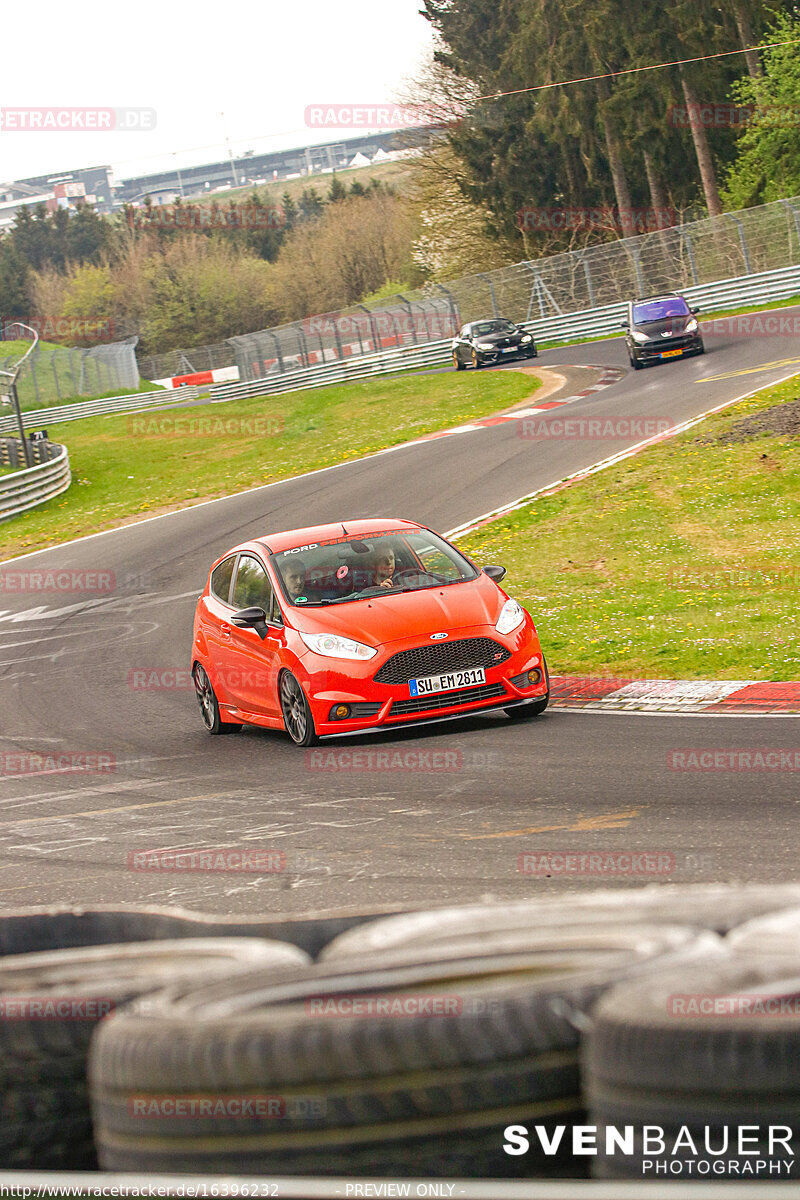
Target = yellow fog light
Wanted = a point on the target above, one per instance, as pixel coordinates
(341, 712)
(534, 676)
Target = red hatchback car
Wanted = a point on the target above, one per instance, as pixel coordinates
(341, 629)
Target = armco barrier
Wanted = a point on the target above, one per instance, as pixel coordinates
(568, 327)
(138, 402)
(22, 490)
(386, 363)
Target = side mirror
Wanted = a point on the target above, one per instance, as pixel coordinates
(251, 618)
(494, 572)
(624, 325)
(694, 310)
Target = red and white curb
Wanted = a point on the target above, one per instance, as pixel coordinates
(611, 375)
(734, 697)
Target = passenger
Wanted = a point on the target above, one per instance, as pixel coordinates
(384, 567)
(294, 576)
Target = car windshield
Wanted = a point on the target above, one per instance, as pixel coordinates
(659, 310)
(368, 565)
(484, 327)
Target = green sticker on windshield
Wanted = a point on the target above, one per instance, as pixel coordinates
(301, 600)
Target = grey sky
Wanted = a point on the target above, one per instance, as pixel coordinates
(261, 62)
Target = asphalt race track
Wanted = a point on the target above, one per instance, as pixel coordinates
(414, 818)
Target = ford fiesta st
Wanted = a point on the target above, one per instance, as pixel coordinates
(371, 625)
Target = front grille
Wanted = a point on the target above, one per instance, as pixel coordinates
(673, 343)
(446, 656)
(521, 681)
(487, 691)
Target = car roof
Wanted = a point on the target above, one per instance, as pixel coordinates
(288, 540)
(660, 296)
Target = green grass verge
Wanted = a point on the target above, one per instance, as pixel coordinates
(128, 466)
(682, 562)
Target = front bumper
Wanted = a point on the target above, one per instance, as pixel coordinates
(497, 356)
(677, 347)
(390, 706)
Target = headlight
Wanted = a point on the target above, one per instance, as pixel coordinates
(511, 615)
(332, 646)
(526, 338)
(691, 326)
(639, 337)
(486, 345)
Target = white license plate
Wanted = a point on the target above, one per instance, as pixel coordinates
(450, 682)
(511, 350)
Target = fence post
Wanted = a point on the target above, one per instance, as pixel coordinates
(748, 270)
(796, 216)
(410, 312)
(687, 238)
(587, 272)
(452, 303)
(491, 292)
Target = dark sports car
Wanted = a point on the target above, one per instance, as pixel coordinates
(659, 327)
(492, 341)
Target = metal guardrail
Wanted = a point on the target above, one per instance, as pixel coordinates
(138, 402)
(568, 327)
(386, 363)
(23, 490)
(593, 322)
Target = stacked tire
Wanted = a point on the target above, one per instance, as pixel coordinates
(50, 1005)
(414, 1063)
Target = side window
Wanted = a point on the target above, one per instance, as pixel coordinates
(221, 579)
(252, 588)
(464, 332)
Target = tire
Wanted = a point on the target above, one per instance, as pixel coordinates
(651, 1058)
(705, 906)
(431, 1088)
(476, 362)
(209, 705)
(637, 366)
(32, 931)
(43, 1052)
(525, 712)
(457, 363)
(775, 934)
(701, 349)
(297, 717)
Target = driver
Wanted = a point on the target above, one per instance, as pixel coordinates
(384, 567)
(294, 576)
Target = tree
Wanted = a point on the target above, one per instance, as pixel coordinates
(767, 163)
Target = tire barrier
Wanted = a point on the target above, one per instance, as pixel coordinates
(698, 1054)
(415, 1058)
(706, 906)
(411, 1043)
(33, 930)
(50, 1004)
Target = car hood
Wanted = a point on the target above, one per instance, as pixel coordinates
(670, 325)
(377, 620)
(513, 335)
